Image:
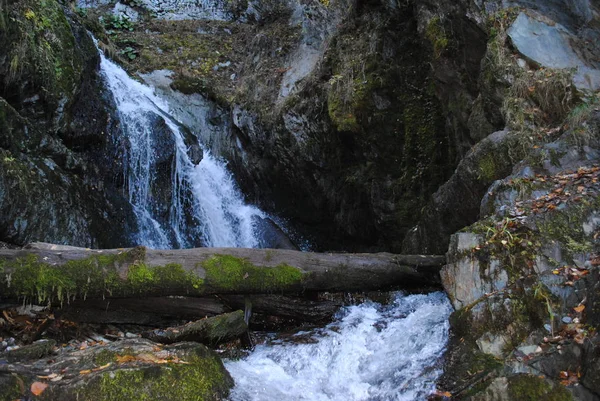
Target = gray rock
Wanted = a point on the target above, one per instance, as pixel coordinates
(549, 44)
(271, 236)
(493, 344)
(122, 10)
(463, 278)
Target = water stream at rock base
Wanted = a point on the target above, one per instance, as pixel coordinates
(371, 352)
(206, 207)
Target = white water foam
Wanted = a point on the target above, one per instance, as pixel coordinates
(371, 353)
(206, 205)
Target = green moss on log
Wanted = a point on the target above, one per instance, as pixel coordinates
(97, 275)
(230, 273)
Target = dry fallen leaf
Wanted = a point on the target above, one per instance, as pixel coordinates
(38, 388)
(125, 358)
(102, 367)
(50, 376)
(439, 393)
(579, 308)
(85, 372)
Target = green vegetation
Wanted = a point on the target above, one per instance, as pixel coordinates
(198, 379)
(197, 375)
(42, 48)
(436, 34)
(126, 273)
(487, 168)
(34, 279)
(117, 23)
(531, 388)
(229, 272)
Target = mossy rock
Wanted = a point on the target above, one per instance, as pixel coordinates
(42, 56)
(134, 370)
(532, 388)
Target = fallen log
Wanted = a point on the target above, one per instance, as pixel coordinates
(154, 311)
(209, 331)
(168, 311)
(298, 309)
(54, 273)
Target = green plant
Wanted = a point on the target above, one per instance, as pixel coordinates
(118, 23)
(541, 293)
(82, 12)
(129, 52)
(436, 34)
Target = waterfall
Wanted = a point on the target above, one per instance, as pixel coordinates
(177, 202)
(370, 353)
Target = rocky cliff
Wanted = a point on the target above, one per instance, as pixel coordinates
(58, 181)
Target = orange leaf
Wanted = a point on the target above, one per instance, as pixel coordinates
(85, 372)
(125, 358)
(102, 367)
(579, 308)
(38, 388)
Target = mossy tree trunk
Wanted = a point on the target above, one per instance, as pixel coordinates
(52, 273)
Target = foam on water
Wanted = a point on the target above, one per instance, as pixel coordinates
(371, 352)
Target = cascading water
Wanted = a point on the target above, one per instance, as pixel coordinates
(372, 352)
(205, 206)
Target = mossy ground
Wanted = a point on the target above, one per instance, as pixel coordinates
(436, 34)
(532, 388)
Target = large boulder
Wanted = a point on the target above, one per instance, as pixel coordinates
(133, 369)
(549, 44)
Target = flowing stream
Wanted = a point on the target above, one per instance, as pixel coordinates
(205, 206)
(371, 352)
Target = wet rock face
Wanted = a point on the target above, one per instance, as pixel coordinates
(59, 176)
(328, 113)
